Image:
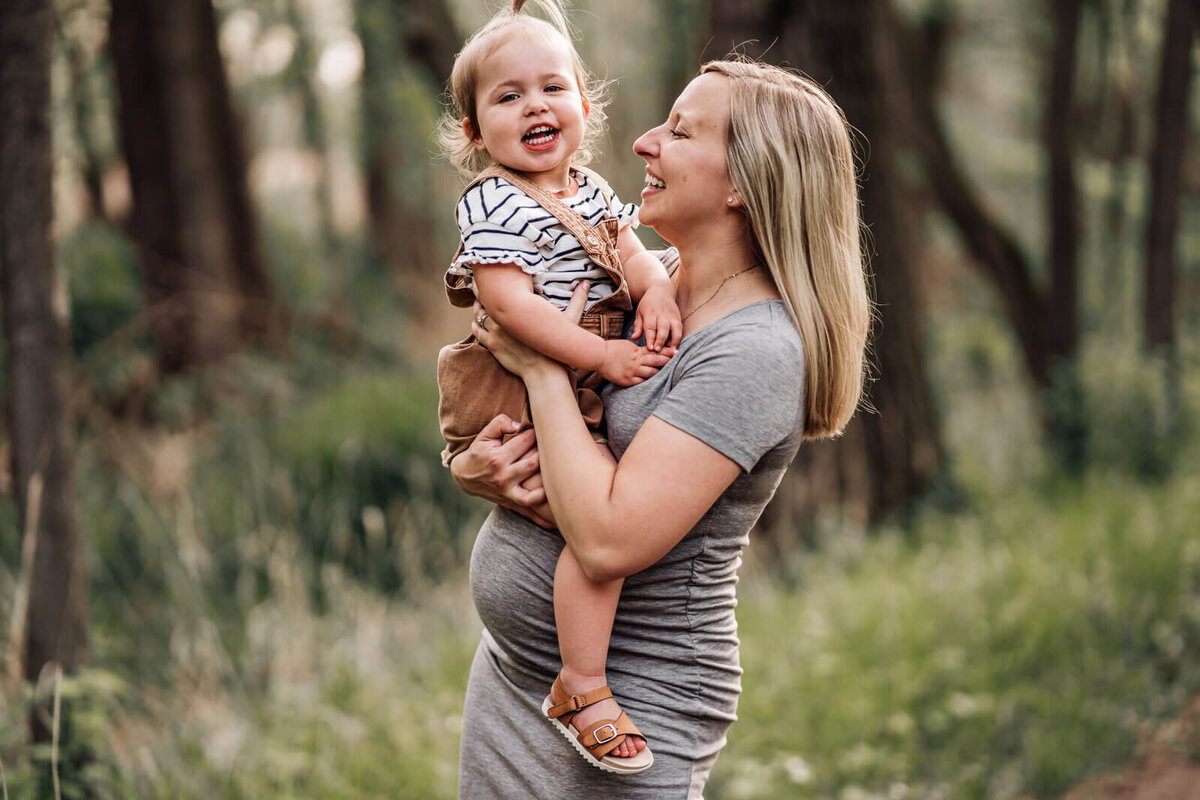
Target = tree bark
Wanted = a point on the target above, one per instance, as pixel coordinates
(1045, 321)
(401, 222)
(206, 284)
(885, 458)
(1166, 160)
(35, 322)
(1062, 317)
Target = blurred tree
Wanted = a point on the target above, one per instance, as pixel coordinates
(885, 458)
(399, 36)
(206, 284)
(1045, 319)
(678, 53)
(53, 629)
(1166, 161)
(302, 73)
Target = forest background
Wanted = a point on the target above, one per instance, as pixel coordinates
(231, 564)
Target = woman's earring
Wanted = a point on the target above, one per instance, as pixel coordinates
(730, 201)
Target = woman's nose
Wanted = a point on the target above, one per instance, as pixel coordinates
(646, 145)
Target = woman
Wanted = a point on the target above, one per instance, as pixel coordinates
(752, 179)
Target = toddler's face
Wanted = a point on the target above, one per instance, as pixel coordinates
(530, 109)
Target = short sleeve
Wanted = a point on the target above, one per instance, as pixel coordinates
(626, 213)
(498, 224)
(738, 394)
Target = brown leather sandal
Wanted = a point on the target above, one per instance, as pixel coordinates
(599, 739)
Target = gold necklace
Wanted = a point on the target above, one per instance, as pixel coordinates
(720, 286)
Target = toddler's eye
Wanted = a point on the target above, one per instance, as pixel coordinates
(508, 97)
(554, 87)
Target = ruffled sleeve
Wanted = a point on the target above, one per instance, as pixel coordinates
(499, 224)
(626, 213)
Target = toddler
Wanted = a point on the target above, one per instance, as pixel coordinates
(534, 224)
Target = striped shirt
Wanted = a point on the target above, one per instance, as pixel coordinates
(500, 224)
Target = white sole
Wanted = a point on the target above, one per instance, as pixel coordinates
(569, 733)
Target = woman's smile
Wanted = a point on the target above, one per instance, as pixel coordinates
(654, 184)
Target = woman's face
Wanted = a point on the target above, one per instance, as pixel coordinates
(687, 180)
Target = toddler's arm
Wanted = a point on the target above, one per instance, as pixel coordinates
(652, 290)
(507, 294)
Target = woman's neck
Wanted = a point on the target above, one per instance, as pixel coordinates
(715, 278)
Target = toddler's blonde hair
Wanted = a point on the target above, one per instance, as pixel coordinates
(789, 156)
(464, 79)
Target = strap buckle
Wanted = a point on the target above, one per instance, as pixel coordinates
(612, 733)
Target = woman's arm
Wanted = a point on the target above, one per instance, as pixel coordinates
(612, 514)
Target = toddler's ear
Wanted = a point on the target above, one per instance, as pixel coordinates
(587, 108)
(470, 132)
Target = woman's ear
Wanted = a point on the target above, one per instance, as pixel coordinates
(733, 200)
(470, 132)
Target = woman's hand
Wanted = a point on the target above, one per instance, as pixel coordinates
(513, 354)
(505, 473)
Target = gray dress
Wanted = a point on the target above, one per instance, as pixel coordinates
(736, 384)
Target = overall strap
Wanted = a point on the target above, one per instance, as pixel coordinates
(591, 239)
(569, 217)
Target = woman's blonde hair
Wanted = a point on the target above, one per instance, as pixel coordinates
(464, 79)
(790, 158)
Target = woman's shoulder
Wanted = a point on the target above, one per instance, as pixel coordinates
(764, 326)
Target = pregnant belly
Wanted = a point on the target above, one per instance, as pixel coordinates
(674, 643)
(512, 582)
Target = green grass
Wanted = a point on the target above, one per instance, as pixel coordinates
(993, 653)
(1012, 649)
(279, 609)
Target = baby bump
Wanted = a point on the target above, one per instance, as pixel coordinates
(512, 583)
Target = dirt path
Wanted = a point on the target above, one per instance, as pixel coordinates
(1167, 768)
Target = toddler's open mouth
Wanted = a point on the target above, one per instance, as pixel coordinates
(540, 135)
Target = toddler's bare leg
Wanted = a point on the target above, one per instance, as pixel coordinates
(583, 613)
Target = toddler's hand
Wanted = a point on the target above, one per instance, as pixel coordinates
(658, 317)
(627, 364)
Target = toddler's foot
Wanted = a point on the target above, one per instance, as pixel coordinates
(577, 683)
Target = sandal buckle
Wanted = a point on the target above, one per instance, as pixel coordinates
(612, 728)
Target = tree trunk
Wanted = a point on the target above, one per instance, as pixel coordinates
(1045, 321)
(402, 41)
(1166, 160)
(206, 285)
(54, 627)
(885, 458)
(1062, 309)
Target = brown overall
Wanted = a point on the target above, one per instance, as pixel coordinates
(473, 387)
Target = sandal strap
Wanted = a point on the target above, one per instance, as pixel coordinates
(601, 738)
(574, 702)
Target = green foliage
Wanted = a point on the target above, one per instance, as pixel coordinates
(370, 489)
(1010, 650)
(101, 268)
(77, 757)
